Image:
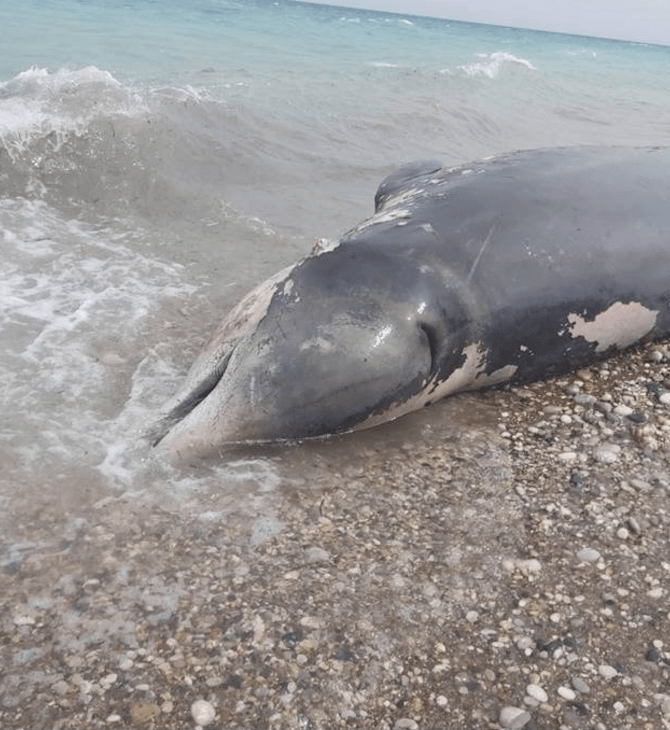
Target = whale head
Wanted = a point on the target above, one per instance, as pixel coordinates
(342, 339)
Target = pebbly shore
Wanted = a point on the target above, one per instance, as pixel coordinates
(507, 574)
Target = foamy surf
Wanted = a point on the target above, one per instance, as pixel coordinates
(492, 63)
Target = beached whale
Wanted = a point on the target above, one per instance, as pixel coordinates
(512, 268)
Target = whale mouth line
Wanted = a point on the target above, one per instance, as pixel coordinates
(189, 403)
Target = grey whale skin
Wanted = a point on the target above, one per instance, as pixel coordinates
(516, 267)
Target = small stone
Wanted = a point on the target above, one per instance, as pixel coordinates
(664, 399)
(606, 453)
(655, 356)
(567, 456)
(317, 555)
(126, 664)
(588, 555)
(537, 693)
(566, 419)
(580, 685)
(532, 565)
(623, 410)
(405, 723)
(471, 616)
(655, 593)
(61, 687)
(622, 533)
(585, 399)
(607, 672)
(142, 713)
(514, 718)
(441, 701)
(566, 693)
(203, 713)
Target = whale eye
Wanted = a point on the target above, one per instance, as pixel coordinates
(433, 345)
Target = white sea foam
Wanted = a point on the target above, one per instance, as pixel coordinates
(37, 101)
(492, 63)
(72, 301)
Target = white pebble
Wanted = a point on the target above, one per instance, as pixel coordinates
(607, 671)
(665, 399)
(567, 456)
(441, 701)
(405, 723)
(623, 410)
(203, 712)
(537, 693)
(471, 616)
(566, 693)
(514, 718)
(655, 593)
(606, 454)
(532, 565)
(588, 555)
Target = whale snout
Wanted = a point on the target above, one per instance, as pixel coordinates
(286, 382)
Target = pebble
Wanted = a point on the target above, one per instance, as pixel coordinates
(664, 399)
(405, 723)
(537, 693)
(607, 671)
(203, 712)
(514, 718)
(567, 456)
(317, 555)
(588, 555)
(142, 713)
(580, 685)
(623, 410)
(585, 399)
(606, 453)
(566, 693)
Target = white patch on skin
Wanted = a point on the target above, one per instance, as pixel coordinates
(621, 325)
(470, 376)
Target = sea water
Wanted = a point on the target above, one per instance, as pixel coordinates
(159, 158)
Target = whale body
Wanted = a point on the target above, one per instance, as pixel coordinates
(513, 268)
